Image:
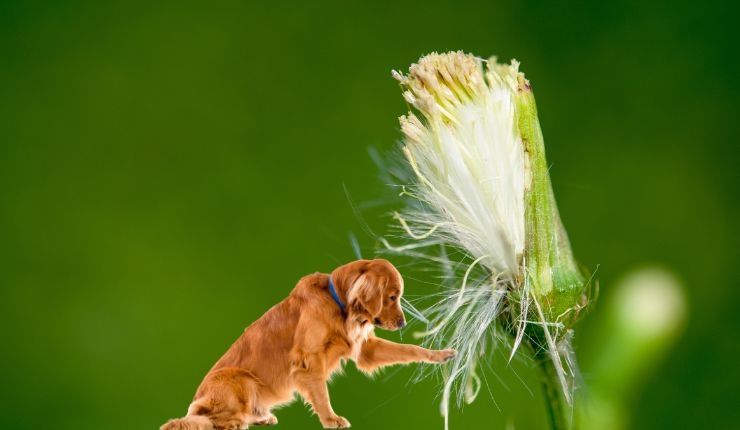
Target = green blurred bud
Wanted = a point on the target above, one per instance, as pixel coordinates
(639, 323)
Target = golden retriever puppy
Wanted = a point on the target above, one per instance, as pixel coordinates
(300, 342)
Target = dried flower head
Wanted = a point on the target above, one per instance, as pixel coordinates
(479, 184)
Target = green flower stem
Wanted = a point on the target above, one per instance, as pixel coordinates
(556, 404)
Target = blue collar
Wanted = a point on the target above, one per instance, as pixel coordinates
(335, 296)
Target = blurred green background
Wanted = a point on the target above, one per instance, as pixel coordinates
(168, 170)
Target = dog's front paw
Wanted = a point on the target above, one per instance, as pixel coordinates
(444, 355)
(335, 422)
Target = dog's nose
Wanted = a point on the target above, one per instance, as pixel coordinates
(401, 323)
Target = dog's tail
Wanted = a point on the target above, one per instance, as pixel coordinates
(190, 422)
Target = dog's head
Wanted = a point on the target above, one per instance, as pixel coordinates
(373, 289)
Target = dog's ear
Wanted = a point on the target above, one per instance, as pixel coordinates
(367, 291)
(363, 284)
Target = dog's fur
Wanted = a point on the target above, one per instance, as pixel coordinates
(299, 343)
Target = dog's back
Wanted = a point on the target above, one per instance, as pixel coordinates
(265, 346)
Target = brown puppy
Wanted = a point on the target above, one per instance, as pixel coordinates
(300, 342)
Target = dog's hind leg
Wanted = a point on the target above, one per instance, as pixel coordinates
(228, 397)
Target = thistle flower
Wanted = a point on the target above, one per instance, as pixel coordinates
(479, 184)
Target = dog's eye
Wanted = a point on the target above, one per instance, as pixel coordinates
(393, 298)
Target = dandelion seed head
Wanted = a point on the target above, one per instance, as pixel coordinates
(467, 153)
(468, 178)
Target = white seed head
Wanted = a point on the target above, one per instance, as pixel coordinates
(467, 153)
(470, 174)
